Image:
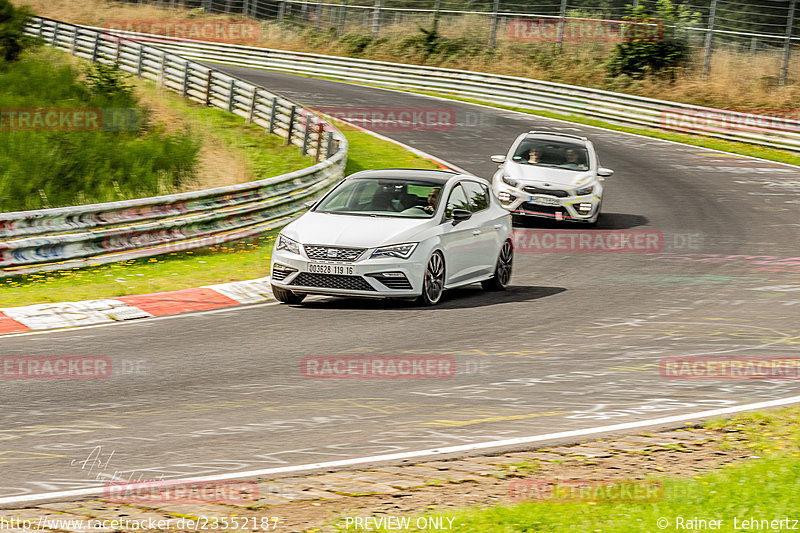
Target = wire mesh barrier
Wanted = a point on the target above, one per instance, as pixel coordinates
(54, 239)
(750, 25)
(773, 132)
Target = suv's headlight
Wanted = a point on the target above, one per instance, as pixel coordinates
(285, 243)
(403, 251)
(584, 190)
(510, 181)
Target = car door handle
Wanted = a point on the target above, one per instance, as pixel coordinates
(476, 232)
(498, 226)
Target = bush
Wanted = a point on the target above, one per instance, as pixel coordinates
(12, 35)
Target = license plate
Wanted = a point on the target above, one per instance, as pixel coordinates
(545, 200)
(322, 268)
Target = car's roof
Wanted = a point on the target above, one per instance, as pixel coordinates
(404, 174)
(556, 136)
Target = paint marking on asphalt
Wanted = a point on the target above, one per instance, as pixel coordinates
(464, 448)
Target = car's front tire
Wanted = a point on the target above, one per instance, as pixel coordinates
(432, 281)
(502, 270)
(286, 296)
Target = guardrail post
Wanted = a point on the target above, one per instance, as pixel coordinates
(320, 131)
(281, 10)
(74, 42)
(252, 111)
(562, 24)
(95, 46)
(41, 29)
(306, 134)
(162, 70)
(376, 18)
(117, 50)
(231, 95)
(712, 15)
(54, 39)
(493, 31)
(273, 115)
(342, 18)
(318, 22)
(208, 87)
(140, 62)
(291, 125)
(185, 84)
(329, 147)
(787, 47)
(436, 6)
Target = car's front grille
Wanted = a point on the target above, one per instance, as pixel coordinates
(332, 253)
(550, 192)
(279, 275)
(542, 210)
(332, 281)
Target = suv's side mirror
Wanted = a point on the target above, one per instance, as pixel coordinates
(499, 159)
(460, 215)
(605, 172)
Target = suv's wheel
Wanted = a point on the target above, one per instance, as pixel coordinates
(433, 282)
(287, 297)
(502, 270)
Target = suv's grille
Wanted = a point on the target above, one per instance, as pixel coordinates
(333, 253)
(550, 192)
(332, 281)
(279, 275)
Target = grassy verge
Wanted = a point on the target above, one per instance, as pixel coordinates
(220, 264)
(760, 489)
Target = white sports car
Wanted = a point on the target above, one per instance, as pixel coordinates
(398, 234)
(551, 175)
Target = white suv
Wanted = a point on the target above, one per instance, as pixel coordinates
(551, 175)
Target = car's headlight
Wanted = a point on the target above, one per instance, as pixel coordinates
(403, 251)
(584, 190)
(285, 243)
(510, 181)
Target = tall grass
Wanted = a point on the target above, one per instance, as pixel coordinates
(40, 169)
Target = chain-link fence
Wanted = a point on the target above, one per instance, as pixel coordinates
(751, 26)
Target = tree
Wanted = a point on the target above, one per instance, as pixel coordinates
(12, 30)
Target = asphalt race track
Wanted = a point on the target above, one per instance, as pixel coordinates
(574, 343)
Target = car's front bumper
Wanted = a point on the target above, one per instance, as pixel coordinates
(570, 208)
(364, 278)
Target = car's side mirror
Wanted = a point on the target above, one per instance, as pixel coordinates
(310, 204)
(499, 159)
(460, 215)
(605, 172)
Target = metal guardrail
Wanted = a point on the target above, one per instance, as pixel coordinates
(772, 132)
(100, 233)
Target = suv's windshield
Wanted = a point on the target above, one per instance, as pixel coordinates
(383, 197)
(557, 154)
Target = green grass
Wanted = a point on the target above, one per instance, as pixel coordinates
(762, 488)
(220, 264)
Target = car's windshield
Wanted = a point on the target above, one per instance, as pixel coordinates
(383, 197)
(556, 154)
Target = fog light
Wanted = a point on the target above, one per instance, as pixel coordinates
(392, 274)
(585, 207)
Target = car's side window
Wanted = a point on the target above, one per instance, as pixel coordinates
(456, 200)
(478, 196)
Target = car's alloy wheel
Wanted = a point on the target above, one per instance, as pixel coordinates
(433, 282)
(286, 296)
(502, 270)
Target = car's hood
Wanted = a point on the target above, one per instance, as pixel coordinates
(352, 230)
(530, 175)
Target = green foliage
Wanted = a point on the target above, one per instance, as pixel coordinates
(52, 167)
(355, 44)
(642, 53)
(431, 44)
(12, 24)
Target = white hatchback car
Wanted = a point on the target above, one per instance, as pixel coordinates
(551, 175)
(385, 233)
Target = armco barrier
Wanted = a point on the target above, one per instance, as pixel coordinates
(780, 133)
(52, 239)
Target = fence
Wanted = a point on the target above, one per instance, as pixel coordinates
(755, 25)
(95, 234)
(505, 90)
